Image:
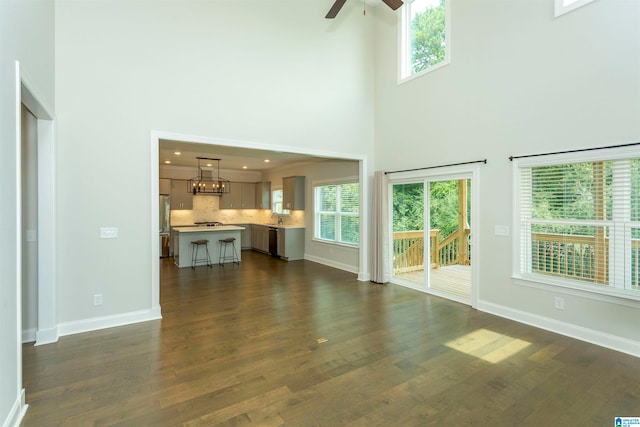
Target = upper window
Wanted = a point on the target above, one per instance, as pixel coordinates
(579, 223)
(424, 36)
(564, 6)
(337, 217)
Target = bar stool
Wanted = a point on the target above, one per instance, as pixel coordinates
(195, 246)
(224, 243)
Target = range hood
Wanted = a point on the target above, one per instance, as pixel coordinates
(208, 182)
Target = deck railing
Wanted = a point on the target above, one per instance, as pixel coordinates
(578, 257)
(408, 249)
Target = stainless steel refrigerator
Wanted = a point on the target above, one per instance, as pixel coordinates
(164, 226)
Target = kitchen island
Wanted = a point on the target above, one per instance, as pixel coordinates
(185, 235)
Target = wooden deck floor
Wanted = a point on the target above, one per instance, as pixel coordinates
(453, 279)
(239, 346)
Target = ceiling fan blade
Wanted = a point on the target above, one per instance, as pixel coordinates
(393, 4)
(336, 8)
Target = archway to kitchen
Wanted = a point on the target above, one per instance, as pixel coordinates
(156, 139)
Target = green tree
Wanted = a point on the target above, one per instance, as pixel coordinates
(428, 37)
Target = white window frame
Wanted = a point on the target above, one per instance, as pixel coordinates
(574, 287)
(273, 203)
(337, 213)
(404, 44)
(564, 6)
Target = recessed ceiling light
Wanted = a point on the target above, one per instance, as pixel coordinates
(209, 165)
(267, 160)
(244, 167)
(177, 153)
(167, 161)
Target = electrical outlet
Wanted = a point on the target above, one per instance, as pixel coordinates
(97, 299)
(558, 303)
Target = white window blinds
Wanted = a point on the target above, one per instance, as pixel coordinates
(579, 222)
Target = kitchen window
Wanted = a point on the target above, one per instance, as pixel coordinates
(578, 221)
(337, 217)
(276, 203)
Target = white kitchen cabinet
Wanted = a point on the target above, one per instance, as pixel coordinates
(293, 192)
(263, 195)
(291, 243)
(180, 198)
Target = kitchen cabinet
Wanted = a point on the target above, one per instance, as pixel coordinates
(245, 236)
(291, 243)
(293, 192)
(165, 186)
(263, 195)
(260, 238)
(241, 195)
(248, 195)
(180, 198)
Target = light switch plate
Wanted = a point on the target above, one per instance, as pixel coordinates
(501, 230)
(108, 232)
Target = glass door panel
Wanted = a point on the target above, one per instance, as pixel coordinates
(408, 202)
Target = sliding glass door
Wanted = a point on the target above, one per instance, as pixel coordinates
(431, 223)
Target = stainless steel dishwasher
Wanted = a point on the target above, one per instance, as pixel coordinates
(273, 241)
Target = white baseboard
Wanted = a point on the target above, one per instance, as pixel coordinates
(46, 336)
(332, 263)
(602, 339)
(18, 409)
(28, 335)
(97, 323)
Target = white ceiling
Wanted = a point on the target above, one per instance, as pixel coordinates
(230, 157)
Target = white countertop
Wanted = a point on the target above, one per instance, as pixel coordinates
(200, 229)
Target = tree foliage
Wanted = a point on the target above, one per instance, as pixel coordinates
(428, 37)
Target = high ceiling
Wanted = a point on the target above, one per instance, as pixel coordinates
(230, 157)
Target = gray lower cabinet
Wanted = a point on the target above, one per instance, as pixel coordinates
(291, 243)
(245, 236)
(260, 238)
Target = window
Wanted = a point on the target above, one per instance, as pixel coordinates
(579, 222)
(564, 6)
(276, 203)
(337, 210)
(424, 36)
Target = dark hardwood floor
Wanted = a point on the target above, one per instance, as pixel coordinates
(239, 346)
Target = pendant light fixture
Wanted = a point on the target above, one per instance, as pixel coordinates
(206, 183)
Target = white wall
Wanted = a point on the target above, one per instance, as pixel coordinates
(272, 72)
(520, 82)
(26, 35)
(339, 256)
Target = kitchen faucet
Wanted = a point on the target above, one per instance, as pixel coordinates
(280, 221)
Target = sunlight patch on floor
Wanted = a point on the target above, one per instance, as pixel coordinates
(487, 345)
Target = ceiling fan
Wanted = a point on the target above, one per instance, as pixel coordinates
(393, 4)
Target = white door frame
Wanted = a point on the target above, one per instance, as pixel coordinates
(29, 95)
(469, 171)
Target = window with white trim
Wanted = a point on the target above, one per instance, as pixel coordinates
(579, 222)
(564, 6)
(337, 213)
(277, 206)
(424, 30)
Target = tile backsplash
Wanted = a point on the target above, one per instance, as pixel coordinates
(207, 208)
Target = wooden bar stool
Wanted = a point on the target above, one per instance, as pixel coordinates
(224, 243)
(195, 247)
